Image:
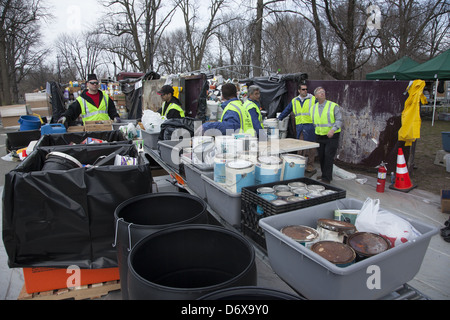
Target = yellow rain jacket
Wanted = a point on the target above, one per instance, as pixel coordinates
(411, 122)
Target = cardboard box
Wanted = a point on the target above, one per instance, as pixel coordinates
(76, 129)
(445, 201)
(99, 125)
(47, 279)
(11, 114)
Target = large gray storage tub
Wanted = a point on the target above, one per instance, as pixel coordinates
(316, 278)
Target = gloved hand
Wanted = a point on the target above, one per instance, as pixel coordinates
(62, 120)
(117, 120)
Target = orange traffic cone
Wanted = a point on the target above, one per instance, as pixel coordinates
(402, 180)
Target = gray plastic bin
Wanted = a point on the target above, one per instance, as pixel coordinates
(225, 203)
(316, 278)
(170, 151)
(150, 139)
(194, 178)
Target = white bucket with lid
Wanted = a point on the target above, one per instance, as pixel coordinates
(268, 169)
(239, 174)
(226, 145)
(220, 162)
(271, 125)
(293, 166)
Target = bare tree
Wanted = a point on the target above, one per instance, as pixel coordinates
(18, 37)
(141, 23)
(198, 35)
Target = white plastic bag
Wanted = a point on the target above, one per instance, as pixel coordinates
(394, 228)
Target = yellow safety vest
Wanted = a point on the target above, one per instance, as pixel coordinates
(302, 112)
(170, 107)
(244, 117)
(249, 105)
(90, 112)
(324, 122)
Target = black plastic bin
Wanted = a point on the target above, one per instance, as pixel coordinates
(114, 137)
(21, 139)
(60, 218)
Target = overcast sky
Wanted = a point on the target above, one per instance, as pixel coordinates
(70, 16)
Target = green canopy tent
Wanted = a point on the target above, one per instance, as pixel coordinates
(437, 68)
(393, 71)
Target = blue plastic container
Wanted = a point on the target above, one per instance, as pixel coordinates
(446, 141)
(29, 123)
(53, 128)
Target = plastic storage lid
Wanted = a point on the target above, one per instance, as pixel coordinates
(335, 252)
(367, 243)
(335, 225)
(300, 233)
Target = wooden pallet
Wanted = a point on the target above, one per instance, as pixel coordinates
(91, 291)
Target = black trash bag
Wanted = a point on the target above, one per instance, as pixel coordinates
(65, 139)
(61, 218)
(202, 102)
(185, 126)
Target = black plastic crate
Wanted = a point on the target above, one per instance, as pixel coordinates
(250, 200)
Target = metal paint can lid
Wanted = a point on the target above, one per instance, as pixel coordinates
(368, 244)
(295, 199)
(284, 194)
(281, 187)
(335, 252)
(338, 226)
(264, 190)
(279, 202)
(296, 184)
(315, 187)
(300, 233)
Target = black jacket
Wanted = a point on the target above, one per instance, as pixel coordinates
(172, 114)
(74, 110)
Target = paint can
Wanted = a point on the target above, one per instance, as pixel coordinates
(284, 195)
(333, 230)
(367, 244)
(300, 192)
(346, 215)
(199, 140)
(267, 169)
(279, 202)
(296, 184)
(267, 196)
(337, 253)
(265, 190)
(252, 157)
(315, 187)
(225, 145)
(203, 154)
(295, 199)
(250, 144)
(293, 166)
(281, 187)
(220, 160)
(239, 174)
(271, 125)
(304, 235)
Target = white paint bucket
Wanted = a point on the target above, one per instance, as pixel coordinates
(220, 162)
(271, 125)
(268, 169)
(252, 157)
(239, 174)
(283, 124)
(293, 166)
(211, 109)
(203, 154)
(226, 145)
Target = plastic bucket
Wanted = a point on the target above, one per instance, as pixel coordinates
(60, 161)
(144, 215)
(271, 125)
(239, 174)
(203, 154)
(250, 293)
(267, 169)
(188, 262)
(29, 123)
(220, 162)
(293, 166)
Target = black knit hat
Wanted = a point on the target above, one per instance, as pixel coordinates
(92, 76)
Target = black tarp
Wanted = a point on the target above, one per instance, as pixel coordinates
(56, 100)
(186, 125)
(62, 218)
(62, 139)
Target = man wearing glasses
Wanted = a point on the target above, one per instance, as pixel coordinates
(93, 104)
(301, 106)
(327, 119)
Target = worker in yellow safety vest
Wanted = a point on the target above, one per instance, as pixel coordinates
(327, 119)
(300, 106)
(93, 105)
(171, 108)
(235, 118)
(253, 106)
